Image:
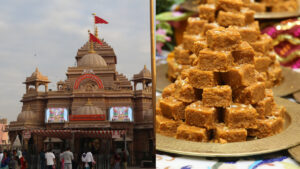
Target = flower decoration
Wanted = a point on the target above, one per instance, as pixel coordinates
(286, 42)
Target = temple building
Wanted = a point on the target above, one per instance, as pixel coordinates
(95, 108)
(4, 142)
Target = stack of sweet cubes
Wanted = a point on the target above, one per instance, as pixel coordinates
(222, 95)
(255, 48)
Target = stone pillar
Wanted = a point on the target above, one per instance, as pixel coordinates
(134, 86)
(46, 87)
(144, 85)
(36, 87)
(131, 153)
(73, 142)
(25, 144)
(35, 142)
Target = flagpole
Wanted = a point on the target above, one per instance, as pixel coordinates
(95, 26)
(91, 50)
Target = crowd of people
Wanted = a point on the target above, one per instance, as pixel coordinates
(66, 160)
(16, 160)
(12, 160)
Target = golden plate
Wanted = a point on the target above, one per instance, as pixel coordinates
(192, 5)
(276, 15)
(289, 85)
(289, 137)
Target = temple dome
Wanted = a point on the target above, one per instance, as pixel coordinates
(92, 60)
(88, 109)
(27, 116)
(145, 72)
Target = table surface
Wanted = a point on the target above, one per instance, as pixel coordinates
(271, 161)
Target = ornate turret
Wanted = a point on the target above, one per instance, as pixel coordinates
(143, 77)
(60, 85)
(36, 79)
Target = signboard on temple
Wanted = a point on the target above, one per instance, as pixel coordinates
(88, 117)
(120, 114)
(56, 115)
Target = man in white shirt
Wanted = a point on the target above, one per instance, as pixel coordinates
(1, 155)
(68, 158)
(50, 159)
(89, 159)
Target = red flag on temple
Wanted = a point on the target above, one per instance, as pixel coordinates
(100, 20)
(95, 39)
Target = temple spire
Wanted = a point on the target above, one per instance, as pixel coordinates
(91, 44)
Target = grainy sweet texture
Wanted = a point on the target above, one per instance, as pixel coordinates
(223, 93)
(240, 43)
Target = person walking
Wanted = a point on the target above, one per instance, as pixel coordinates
(42, 159)
(84, 162)
(61, 159)
(50, 159)
(124, 158)
(5, 160)
(89, 159)
(67, 157)
(13, 163)
(1, 155)
(23, 163)
(117, 161)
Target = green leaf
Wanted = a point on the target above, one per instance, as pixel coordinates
(160, 38)
(166, 26)
(168, 16)
(163, 5)
(179, 1)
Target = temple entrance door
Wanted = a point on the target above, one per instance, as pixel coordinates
(57, 146)
(100, 149)
(119, 145)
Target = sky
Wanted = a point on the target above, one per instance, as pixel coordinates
(47, 35)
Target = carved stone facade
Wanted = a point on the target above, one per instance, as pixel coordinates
(92, 87)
